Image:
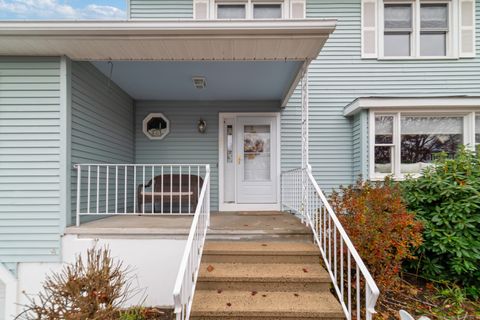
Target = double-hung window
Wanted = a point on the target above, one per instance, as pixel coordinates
(249, 10)
(418, 29)
(407, 142)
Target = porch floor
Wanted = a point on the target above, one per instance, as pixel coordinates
(223, 225)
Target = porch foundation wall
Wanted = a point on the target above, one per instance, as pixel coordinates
(153, 268)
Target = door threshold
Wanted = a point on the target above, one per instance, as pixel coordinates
(249, 207)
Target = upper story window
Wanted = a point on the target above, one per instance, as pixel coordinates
(418, 29)
(249, 9)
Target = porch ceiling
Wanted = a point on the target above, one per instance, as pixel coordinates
(226, 80)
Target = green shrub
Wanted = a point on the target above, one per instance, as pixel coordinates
(447, 200)
(382, 230)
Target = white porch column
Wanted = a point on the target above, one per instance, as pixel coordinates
(304, 85)
(305, 161)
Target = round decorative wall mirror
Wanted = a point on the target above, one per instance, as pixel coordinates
(156, 126)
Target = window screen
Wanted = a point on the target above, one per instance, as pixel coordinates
(398, 29)
(267, 11)
(231, 11)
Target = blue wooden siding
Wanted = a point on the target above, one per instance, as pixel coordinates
(102, 121)
(161, 9)
(184, 144)
(30, 220)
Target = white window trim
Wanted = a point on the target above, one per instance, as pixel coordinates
(468, 134)
(452, 34)
(249, 4)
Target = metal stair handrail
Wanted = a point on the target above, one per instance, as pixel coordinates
(302, 195)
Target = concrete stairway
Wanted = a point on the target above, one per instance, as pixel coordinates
(263, 280)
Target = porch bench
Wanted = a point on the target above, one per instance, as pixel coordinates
(176, 187)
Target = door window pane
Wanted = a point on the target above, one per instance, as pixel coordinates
(383, 129)
(256, 153)
(229, 143)
(231, 11)
(398, 16)
(396, 44)
(424, 137)
(267, 11)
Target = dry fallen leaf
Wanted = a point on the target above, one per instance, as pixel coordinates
(254, 293)
(264, 244)
(264, 295)
(219, 291)
(296, 294)
(305, 270)
(210, 268)
(229, 304)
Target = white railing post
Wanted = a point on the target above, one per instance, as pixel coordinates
(79, 178)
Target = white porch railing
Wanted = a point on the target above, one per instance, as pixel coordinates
(302, 195)
(138, 189)
(185, 283)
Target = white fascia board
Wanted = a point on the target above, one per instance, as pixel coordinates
(177, 27)
(410, 102)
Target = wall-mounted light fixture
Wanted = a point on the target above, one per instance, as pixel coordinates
(202, 126)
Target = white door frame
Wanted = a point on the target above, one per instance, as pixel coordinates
(221, 166)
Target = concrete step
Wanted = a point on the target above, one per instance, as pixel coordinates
(211, 304)
(260, 252)
(258, 235)
(263, 276)
(257, 226)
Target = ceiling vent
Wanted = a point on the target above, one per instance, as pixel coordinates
(199, 82)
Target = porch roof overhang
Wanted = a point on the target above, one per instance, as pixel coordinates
(179, 40)
(395, 103)
(285, 46)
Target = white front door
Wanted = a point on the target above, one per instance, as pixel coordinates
(249, 161)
